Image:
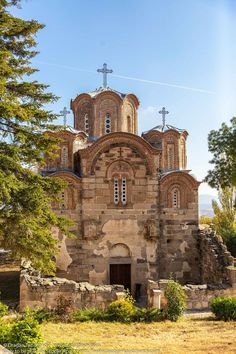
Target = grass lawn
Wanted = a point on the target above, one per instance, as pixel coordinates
(194, 334)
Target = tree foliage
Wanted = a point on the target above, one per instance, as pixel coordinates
(224, 222)
(25, 196)
(222, 144)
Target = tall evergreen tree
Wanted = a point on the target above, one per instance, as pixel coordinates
(26, 218)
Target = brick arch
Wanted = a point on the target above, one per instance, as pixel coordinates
(67, 176)
(83, 96)
(120, 250)
(130, 97)
(107, 94)
(71, 192)
(129, 169)
(145, 150)
(154, 137)
(182, 181)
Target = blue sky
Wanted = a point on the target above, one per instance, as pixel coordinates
(188, 43)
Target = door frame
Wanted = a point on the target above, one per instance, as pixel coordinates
(121, 263)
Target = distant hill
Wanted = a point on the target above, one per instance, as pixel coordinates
(205, 207)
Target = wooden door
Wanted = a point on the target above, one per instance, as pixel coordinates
(121, 274)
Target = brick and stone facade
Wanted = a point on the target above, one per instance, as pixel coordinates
(134, 203)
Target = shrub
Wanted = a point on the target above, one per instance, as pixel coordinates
(147, 315)
(91, 314)
(24, 336)
(224, 308)
(176, 300)
(128, 296)
(61, 349)
(120, 310)
(5, 333)
(3, 309)
(41, 315)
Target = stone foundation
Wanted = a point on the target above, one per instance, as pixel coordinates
(37, 292)
(198, 296)
(214, 258)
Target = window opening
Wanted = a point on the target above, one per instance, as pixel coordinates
(86, 123)
(107, 124)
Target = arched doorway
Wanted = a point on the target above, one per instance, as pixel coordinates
(120, 265)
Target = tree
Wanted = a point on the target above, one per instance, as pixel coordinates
(222, 143)
(224, 222)
(205, 220)
(26, 217)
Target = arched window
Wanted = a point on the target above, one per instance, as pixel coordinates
(116, 191)
(129, 127)
(182, 152)
(170, 156)
(63, 203)
(124, 191)
(86, 123)
(175, 198)
(120, 190)
(107, 124)
(64, 157)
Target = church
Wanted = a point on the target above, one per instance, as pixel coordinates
(133, 201)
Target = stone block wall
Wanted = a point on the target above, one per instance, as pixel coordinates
(111, 234)
(198, 296)
(178, 253)
(37, 292)
(214, 258)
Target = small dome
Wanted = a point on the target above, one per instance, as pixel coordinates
(105, 89)
(163, 128)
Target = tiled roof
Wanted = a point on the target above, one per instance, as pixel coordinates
(105, 89)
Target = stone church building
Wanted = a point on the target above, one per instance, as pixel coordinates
(133, 201)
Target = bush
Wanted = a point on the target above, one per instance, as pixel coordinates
(91, 314)
(120, 310)
(176, 300)
(24, 336)
(147, 315)
(41, 315)
(3, 309)
(224, 308)
(5, 333)
(61, 349)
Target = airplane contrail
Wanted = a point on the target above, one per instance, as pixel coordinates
(132, 78)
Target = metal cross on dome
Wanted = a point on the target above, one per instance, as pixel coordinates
(163, 112)
(105, 71)
(64, 112)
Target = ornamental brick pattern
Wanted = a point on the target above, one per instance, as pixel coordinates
(133, 203)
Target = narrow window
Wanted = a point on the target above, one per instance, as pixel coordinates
(123, 191)
(129, 130)
(175, 199)
(63, 205)
(107, 124)
(116, 191)
(86, 123)
(170, 157)
(64, 156)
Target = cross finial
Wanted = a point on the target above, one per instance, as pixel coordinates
(163, 112)
(105, 71)
(64, 112)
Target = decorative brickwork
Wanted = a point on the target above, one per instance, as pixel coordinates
(133, 203)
